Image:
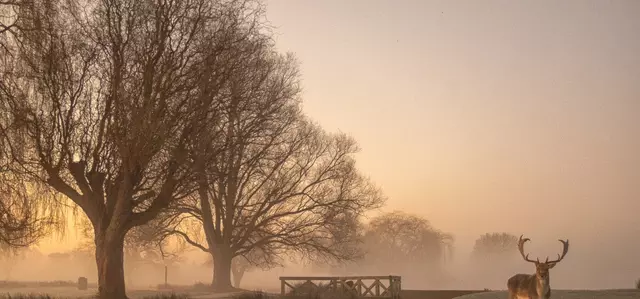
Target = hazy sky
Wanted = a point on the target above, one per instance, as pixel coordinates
(485, 115)
(518, 116)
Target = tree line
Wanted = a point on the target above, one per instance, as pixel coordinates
(171, 113)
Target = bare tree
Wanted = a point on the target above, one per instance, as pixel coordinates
(144, 245)
(99, 99)
(240, 265)
(398, 241)
(278, 184)
(492, 246)
(21, 221)
(7, 22)
(27, 212)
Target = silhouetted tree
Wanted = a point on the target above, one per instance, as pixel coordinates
(7, 21)
(398, 241)
(491, 246)
(145, 245)
(279, 183)
(27, 213)
(99, 100)
(21, 222)
(239, 267)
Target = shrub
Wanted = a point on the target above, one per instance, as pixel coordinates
(638, 284)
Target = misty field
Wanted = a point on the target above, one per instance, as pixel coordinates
(564, 294)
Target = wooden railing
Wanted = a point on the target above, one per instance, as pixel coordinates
(358, 286)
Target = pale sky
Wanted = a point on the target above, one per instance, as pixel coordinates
(517, 116)
(486, 116)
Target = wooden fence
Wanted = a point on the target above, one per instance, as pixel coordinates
(359, 286)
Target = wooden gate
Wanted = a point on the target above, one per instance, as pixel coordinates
(359, 286)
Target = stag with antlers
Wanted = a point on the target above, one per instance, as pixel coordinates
(534, 286)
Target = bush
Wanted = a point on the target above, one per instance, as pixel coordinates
(638, 284)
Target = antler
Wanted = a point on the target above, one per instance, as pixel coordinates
(521, 249)
(565, 249)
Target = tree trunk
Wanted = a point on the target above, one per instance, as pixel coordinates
(238, 273)
(110, 258)
(221, 268)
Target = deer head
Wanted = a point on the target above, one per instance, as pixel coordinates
(542, 268)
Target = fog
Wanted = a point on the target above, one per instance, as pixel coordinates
(598, 262)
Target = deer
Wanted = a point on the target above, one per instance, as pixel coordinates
(534, 286)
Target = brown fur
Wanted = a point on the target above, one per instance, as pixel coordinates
(534, 286)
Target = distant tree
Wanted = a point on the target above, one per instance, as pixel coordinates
(397, 240)
(491, 246)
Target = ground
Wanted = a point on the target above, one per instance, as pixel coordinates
(71, 292)
(562, 294)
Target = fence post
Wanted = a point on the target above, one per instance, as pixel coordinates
(282, 287)
(166, 285)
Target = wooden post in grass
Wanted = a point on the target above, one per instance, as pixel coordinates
(166, 285)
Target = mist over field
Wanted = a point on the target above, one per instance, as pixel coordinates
(586, 262)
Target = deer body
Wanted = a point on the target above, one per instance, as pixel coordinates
(525, 286)
(534, 286)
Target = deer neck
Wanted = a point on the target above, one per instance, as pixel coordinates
(542, 286)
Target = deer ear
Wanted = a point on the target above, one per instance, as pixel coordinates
(551, 265)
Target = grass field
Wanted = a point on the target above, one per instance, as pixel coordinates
(69, 292)
(73, 293)
(565, 294)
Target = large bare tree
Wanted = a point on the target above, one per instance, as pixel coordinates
(278, 183)
(99, 100)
